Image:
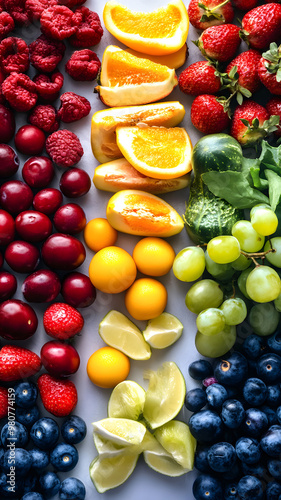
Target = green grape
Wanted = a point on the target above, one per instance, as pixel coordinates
(234, 310)
(189, 264)
(241, 282)
(222, 272)
(274, 257)
(216, 345)
(264, 220)
(202, 295)
(250, 241)
(210, 321)
(264, 319)
(263, 284)
(241, 263)
(223, 249)
(277, 303)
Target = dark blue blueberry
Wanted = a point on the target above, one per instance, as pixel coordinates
(64, 457)
(19, 458)
(273, 395)
(201, 459)
(2, 451)
(25, 394)
(232, 413)
(72, 489)
(249, 488)
(254, 346)
(216, 395)
(274, 468)
(33, 495)
(258, 470)
(271, 415)
(30, 482)
(271, 441)
(206, 426)
(40, 459)
(14, 432)
(27, 416)
(200, 369)
(45, 433)
(278, 414)
(207, 487)
(269, 368)
(8, 482)
(248, 450)
(232, 369)
(255, 422)
(273, 490)
(255, 391)
(195, 400)
(221, 457)
(49, 484)
(274, 342)
(73, 429)
(230, 492)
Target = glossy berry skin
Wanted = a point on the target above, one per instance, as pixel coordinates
(25, 394)
(271, 414)
(224, 14)
(45, 433)
(33, 495)
(269, 79)
(195, 399)
(47, 200)
(15, 196)
(18, 321)
(27, 416)
(30, 140)
(254, 346)
(73, 429)
(22, 256)
(262, 25)
(230, 491)
(62, 321)
(208, 115)
(273, 490)
(33, 226)
(274, 468)
(220, 42)
(271, 441)
(273, 107)
(75, 182)
(248, 450)
(9, 161)
(255, 391)
(63, 252)
(64, 457)
(201, 459)
(70, 219)
(205, 426)
(49, 484)
(232, 413)
(221, 457)
(38, 172)
(41, 286)
(199, 78)
(40, 458)
(59, 396)
(19, 437)
(21, 462)
(273, 395)
(232, 369)
(269, 368)
(255, 423)
(247, 68)
(7, 124)
(60, 359)
(78, 290)
(249, 110)
(7, 228)
(71, 488)
(250, 487)
(206, 486)
(8, 285)
(216, 395)
(274, 343)
(200, 369)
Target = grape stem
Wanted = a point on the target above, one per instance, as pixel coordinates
(258, 255)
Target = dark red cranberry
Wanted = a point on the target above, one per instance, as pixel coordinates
(7, 124)
(75, 182)
(8, 285)
(30, 140)
(64, 252)
(7, 228)
(15, 196)
(47, 201)
(59, 359)
(70, 218)
(41, 286)
(33, 226)
(22, 256)
(9, 161)
(78, 290)
(18, 321)
(38, 171)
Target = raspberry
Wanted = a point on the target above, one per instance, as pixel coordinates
(14, 55)
(59, 22)
(48, 86)
(83, 65)
(73, 107)
(89, 31)
(71, 3)
(16, 8)
(64, 148)
(20, 91)
(44, 117)
(34, 8)
(46, 54)
(6, 24)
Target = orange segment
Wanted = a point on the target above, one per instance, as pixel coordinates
(173, 60)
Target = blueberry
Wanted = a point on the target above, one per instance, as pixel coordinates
(73, 430)
(254, 346)
(231, 370)
(30, 482)
(249, 488)
(278, 414)
(232, 413)
(234, 474)
(206, 486)
(15, 433)
(248, 450)
(269, 368)
(230, 492)
(200, 369)
(32, 496)
(274, 468)
(40, 459)
(72, 489)
(216, 395)
(45, 433)
(205, 425)
(64, 457)
(255, 422)
(221, 457)
(201, 459)
(27, 416)
(255, 391)
(19, 458)
(270, 413)
(274, 342)
(25, 394)
(5, 487)
(273, 395)
(195, 400)
(257, 470)
(49, 484)
(273, 490)
(271, 441)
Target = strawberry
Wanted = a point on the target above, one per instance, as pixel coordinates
(244, 4)
(262, 25)
(269, 69)
(251, 122)
(209, 115)
(247, 69)
(62, 321)
(208, 13)
(199, 78)
(273, 106)
(59, 397)
(3, 402)
(219, 43)
(17, 362)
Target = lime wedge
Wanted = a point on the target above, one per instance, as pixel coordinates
(126, 400)
(163, 463)
(118, 331)
(121, 431)
(163, 331)
(107, 473)
(177, 440)
(107, 449)
(165, 394)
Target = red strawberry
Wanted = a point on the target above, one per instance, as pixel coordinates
(273, 106)
(269, 69)
(199, 78)
(219, 43)
(62, 321)
(251, 122)
(208, 13)
(262, 25)
(3, 402)
(17, 362)
(208, 114)
(247, 69)
(244, 4)
(59, 397)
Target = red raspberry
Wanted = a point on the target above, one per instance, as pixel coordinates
(62, 321)
(34, 8)
(6, 24)
(14, 55)
(16, 8)
(48, 86)
(44, 117)
(64, 148)
(89, 31)
(71, 3)
(83, 65)
(2, 5)
(46, 54)
(60, 22)
(73, 107)
(20, 91)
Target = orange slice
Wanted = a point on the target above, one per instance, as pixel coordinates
(159, 152)
(173, 60)
(159, 32)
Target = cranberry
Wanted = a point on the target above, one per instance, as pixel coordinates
(59, 359)
(64, 252)
(41, 286)
(30, 140)
(7, 124)
(75, 182)
(15, 196)
(78, 290)
(7, 228)
(18, 321)
(70, 218)
(33, 226)
(47, 201)
(22, 257)
(9, 162)
(8, 285)
(38, 171)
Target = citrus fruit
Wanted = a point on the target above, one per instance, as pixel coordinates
(107, 448)
(118, 331)
(146, 299)
(98, 234)
(127, 80)
(153, 256)
(177, 440)
(143, 214)
(108, 473)
(159, 152)
(112, 270)
(108, 367)
(173, 60)
(126, 400)
(163, 463)
(121, 431)
(163, 331)
(159, 32)
(165, 394)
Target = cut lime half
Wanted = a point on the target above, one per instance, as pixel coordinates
(177, 440)
(164, 464)
(108, 473)
(163, 331)
(126, 400)
(121, 431)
